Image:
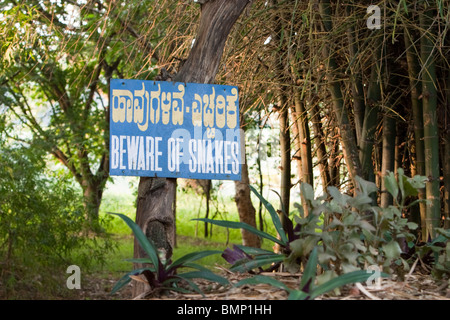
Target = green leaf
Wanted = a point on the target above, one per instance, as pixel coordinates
(326, 276)
(144, 242)
(401, 179)
(260, 279)
(360, 201)
(190, 257)
(176, 278)
(242, 225)
(309, 275)
(140, 260)
(364, 224)
(412, 225)
(302, 247)
(347, 278)
(245, 265)
(392, 250)
(307, 191)
(366, 187)
(253, 251)
(126, 279)
(391, 184)
(337, 196)
(408, 188)
(298, 295)
(412, 185)
(121, 283)
(274, 215)
(418, 181)
(349, 219)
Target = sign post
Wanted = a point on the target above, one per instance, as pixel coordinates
(174, 130)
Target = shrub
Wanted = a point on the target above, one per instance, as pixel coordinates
(41, 226)
(346, 234)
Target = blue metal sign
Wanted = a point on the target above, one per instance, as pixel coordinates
(175, 130)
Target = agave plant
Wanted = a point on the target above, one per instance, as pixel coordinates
(246, 259)
(165, 275)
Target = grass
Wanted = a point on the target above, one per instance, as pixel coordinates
(30, 281)
(190, 234)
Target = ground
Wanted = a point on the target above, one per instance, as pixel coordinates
(416, 286)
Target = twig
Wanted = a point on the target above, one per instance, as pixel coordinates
(413, 267)
(367, 293)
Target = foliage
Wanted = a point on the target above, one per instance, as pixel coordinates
(345, 234)
(355, 232)
(163, 275)
(439, 251)
(245, 258)
(308, 290)
(41, 224)
(57, 59)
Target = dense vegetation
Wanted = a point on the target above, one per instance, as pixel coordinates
(334, 98)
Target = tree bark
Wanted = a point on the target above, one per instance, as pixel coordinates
(319, 139)
(447, 156)
(246, 210)
(302, 140)
(430, 122)
(285, 161)
(207, 191)
(92, 197)
(356, 78)
(417, 116)
(334, 160)
(345, 128)
(154, 213)
(370, 123)
(388, 155)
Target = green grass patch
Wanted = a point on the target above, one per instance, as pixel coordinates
(190, 233)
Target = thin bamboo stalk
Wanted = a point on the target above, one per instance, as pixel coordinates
(346, 129)
(431, 134)
(417, 116)
(371, 116)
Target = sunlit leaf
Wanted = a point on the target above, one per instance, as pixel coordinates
(274, 215)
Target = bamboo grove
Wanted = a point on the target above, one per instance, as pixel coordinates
(352, 100)
(352, 97)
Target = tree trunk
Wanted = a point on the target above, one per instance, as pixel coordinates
(430, 122)
(285, 161)
(302, 140)
(371, 117)
(356, 78)
(207, 191)
(447, 156)
(388, 155)
(417, 116)
(345, 128)
(247, 212)
(92, 196)
(260, 176)
(154, 213)
(319, 140)
(334, 160)
(447, 170)
(156, 218)
(281, 96)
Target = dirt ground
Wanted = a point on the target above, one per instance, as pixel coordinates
(416, 286)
